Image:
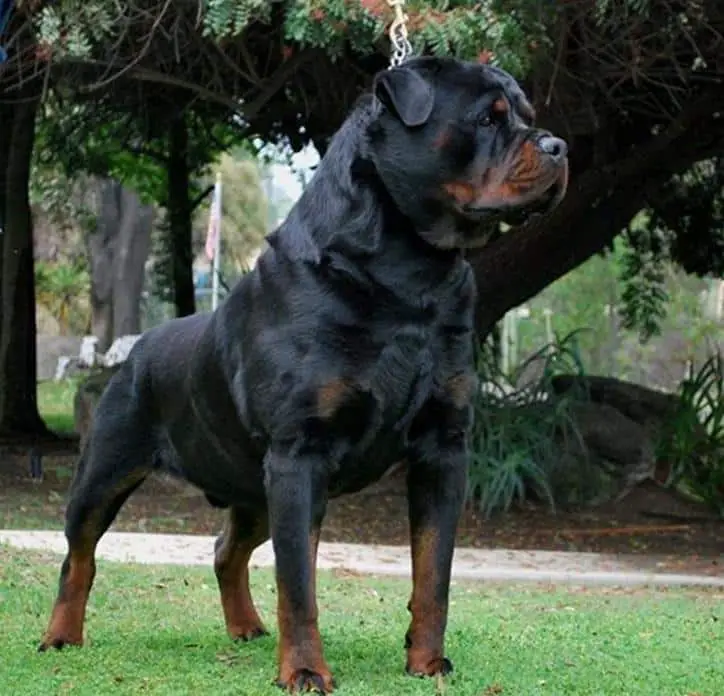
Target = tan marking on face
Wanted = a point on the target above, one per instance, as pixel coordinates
(442, 139)
(500, 106)
(527, 165)
(518, 180)
(461, 191)
(494, 191)
(331, 396)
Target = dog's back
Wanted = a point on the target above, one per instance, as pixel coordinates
(150, 389)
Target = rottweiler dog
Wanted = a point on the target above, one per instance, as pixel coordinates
(347, 349)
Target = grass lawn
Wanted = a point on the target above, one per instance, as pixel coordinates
(158, 630)
(55, 403)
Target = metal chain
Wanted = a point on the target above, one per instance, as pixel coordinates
(401, 46)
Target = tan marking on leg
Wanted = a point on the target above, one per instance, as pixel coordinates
(461, 388)
(66, 621)
(301, 659)
(68, 615)
(425, 636)
(232, 574)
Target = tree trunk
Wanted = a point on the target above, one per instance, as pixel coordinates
(101, 251)
(6, 118)
(131, 252)
(18, 370)
(118, 250)
(179, 218)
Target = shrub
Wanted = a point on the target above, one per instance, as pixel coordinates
(694, 442)
(521, 428)
(62, 288)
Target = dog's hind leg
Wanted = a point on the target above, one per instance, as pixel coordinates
(114, 462)
(243, 532)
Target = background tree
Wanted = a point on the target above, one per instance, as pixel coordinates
(246, 211)
(142, 151)
(245, 217)
(18, 402)
(80, 170)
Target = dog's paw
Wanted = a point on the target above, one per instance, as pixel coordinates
(245, 634)
(306, 680)
(57, 643)
(430, 668)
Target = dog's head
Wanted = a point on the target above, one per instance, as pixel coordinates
(454, 145)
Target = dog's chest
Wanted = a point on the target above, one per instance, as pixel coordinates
(365, 411)
(401, 379)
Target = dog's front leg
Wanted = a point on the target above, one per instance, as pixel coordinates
(436, 489)
(296, 493)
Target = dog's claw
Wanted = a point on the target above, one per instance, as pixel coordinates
(306, 680)
(251, 634)
(55, 644)
(441, 666)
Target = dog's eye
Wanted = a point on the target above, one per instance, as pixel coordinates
(485, 121)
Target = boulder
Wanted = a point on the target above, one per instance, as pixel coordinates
(87, 397)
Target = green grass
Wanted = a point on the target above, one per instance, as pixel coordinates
(55, 403)
(158, 630)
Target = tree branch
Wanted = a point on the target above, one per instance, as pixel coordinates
(147, 152)
(273, 84)
(196, 202)
(152, 76)
(597, 207)
(248, 109)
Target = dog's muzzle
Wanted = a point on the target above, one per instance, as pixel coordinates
(554, 152)
(532, 179)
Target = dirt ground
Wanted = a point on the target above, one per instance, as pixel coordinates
(648, 521)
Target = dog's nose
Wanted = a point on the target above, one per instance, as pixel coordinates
(554, 147)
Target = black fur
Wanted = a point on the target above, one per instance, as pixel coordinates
(348, 348)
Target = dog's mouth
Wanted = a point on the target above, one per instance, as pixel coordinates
(517, 210)
(521, 187)
(547, 202)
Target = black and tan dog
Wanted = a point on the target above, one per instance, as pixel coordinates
(347, 349)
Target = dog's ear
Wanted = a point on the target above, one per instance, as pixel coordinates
(405, 93)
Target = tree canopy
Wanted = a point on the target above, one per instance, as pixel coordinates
(635, 87)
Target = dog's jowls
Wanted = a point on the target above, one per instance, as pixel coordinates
(347, 349)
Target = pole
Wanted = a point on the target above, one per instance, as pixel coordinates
(217, 245)
(513, 328)
(505, 344)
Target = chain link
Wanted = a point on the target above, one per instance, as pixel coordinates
(401, 46)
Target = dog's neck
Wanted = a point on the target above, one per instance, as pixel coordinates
(345, 213)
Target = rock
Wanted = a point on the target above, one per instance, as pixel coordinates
(654, 411)
(641, 404)
(50, 349)
(87, 397)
